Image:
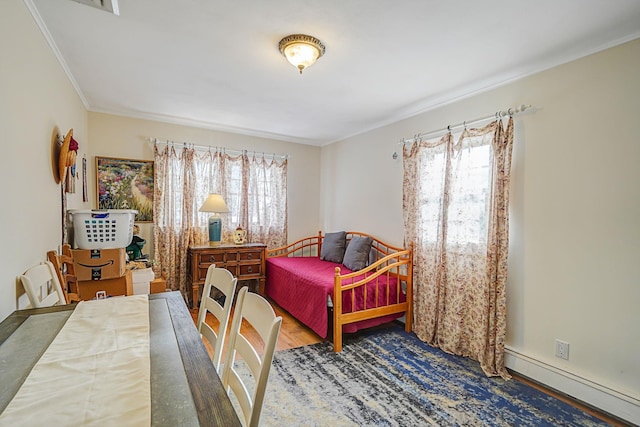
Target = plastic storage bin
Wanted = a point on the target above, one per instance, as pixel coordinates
(102, 229)
(142, 279)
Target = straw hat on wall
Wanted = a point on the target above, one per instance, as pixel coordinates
(67, 156)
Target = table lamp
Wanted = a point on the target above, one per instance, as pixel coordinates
(215, 204)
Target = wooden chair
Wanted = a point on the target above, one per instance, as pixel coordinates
(222, 280)
(65, 272)
(42, 286)
(257, 311)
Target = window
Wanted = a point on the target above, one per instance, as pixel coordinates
(468, 191)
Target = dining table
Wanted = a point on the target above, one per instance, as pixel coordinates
(162, 369)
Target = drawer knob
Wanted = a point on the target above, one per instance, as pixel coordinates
(212, 258)
(249, 269)
(250, 256)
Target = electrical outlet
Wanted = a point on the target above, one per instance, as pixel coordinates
(562, 350)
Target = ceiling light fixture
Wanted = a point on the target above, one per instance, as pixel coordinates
(301, 50)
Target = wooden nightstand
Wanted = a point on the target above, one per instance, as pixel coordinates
(246, 262)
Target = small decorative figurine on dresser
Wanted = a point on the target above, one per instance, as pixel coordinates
(239, 236)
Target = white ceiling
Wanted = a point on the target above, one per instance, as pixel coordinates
(216, 64)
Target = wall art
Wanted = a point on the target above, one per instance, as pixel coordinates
(125, 184)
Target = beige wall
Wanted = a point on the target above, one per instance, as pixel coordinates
(35, 98)
(116, 136)
(575, 240)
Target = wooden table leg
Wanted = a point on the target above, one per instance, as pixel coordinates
(195, 297)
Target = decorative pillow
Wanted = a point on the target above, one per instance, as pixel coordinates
(356, 256)
(333, 246)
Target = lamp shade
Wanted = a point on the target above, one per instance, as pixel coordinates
(214, 203)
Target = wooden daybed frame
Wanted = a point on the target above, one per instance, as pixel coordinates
(388, 264)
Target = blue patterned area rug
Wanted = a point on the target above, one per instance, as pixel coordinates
(387, 377)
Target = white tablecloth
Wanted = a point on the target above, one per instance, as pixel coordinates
(96, 372)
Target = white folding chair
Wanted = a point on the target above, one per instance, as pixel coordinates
(224, 281)
(42, 286)
(257, 311)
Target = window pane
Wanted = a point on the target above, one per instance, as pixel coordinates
(468, 192)
(469, 195)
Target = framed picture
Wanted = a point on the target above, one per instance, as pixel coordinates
(125, 184)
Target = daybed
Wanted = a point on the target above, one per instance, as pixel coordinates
(304, 277)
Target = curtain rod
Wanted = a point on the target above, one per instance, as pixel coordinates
(154, 141)
(497, 115)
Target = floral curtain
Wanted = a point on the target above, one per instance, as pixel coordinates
(455, 207)
(266, 213)
(255, 190)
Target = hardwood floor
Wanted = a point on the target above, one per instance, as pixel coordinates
(292, 332)
(588, 409)
(295, 334)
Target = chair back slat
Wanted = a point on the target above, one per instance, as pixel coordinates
(42, 280)
(222, 280)
(258, 313)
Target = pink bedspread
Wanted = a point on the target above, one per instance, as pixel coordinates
(301, 285)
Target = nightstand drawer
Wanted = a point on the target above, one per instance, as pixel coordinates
(205, 259)
(231, 257)
(250, 255)
(248, 270)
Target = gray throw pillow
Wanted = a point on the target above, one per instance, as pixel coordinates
(333, 246)
(356, 256)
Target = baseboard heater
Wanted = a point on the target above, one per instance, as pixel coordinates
(603, 398)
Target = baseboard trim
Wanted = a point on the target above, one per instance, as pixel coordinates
(608, 400)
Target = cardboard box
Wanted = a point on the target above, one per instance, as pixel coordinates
(99, 264)
(113, 287)
(158, 285)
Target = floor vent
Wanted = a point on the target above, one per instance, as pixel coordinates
(110, 6)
